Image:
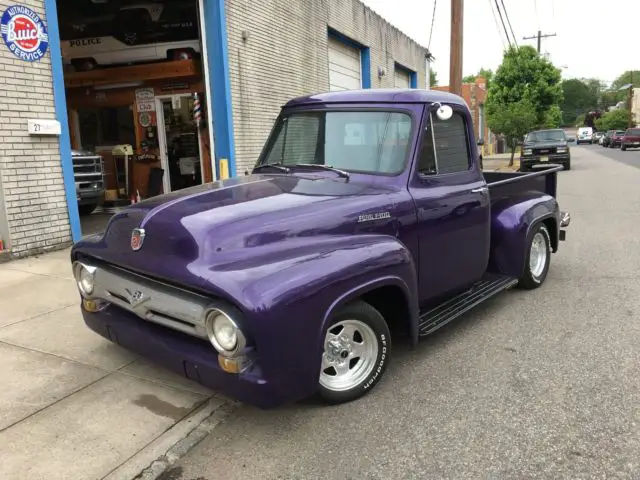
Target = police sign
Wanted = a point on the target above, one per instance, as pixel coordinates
(24, 33)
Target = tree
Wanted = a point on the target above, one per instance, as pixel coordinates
(525, 75)
(614, 120)
(553, 117)
(484, 72)
(433, 78)
(578, 98)
(513, 120)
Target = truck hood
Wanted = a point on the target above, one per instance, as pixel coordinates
(232, 220)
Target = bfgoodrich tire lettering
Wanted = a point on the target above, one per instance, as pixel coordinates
(356, 351)
(538, 258)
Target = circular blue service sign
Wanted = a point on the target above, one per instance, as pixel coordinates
(24, 33)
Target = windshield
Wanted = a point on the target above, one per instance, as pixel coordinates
(619, 132)
(365, 141)
(546, 136)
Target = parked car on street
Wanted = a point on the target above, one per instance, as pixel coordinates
(616, 139)
(631, 139)
(543, 147)
(606, 142)
(295, 279)
(597, 136)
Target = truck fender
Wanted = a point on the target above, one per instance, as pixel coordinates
(309, 283)
(511, 224)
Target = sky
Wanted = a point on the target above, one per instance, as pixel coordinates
(591, 41)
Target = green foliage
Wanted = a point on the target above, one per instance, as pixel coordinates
(484, 72)
(578, 98)
(433, 78)
(513, 120)
(580, 120)
(553, 117)
(525, 76)
(613, 120)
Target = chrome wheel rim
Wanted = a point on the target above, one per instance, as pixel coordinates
(349, 356)
(538, 255)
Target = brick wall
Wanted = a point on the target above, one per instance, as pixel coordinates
(34, 200)
(285, 55)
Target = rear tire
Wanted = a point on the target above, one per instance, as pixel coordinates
(538, 258)
(356, 351)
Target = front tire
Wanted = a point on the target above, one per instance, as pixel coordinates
(567, 165)
(623, 148)
(357, 348)
(538, 258)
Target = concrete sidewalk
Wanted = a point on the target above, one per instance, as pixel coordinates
(500, 162)
(72, 405)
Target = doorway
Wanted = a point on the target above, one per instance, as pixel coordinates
(179, 142)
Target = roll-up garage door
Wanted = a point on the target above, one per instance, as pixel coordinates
(401, 79)
(344, 66)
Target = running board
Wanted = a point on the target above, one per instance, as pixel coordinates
(451, 309)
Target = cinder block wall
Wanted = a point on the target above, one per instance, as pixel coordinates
(34, 201)
(285, 54)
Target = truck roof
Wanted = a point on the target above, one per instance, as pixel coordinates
(379, 95)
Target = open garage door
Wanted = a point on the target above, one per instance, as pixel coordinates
(344, 66)
(401, 78)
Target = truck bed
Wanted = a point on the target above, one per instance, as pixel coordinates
(507, 184)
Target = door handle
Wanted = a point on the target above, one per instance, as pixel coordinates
(482, 190)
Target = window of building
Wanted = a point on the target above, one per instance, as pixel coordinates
(445, 146)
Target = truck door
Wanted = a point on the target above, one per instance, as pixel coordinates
(452, 206)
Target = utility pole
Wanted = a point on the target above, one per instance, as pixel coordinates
(455, 62)
(539, 36)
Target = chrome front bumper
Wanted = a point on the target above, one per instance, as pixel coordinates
(151, 300)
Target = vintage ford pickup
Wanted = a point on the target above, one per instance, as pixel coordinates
(366, 213)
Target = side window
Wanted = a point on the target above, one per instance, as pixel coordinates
(444, 146)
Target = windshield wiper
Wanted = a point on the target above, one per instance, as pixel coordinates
(322, 166)
(277, 166)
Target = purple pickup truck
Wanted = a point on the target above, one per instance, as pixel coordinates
(365, 214)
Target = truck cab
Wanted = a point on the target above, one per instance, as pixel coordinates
(366, 213)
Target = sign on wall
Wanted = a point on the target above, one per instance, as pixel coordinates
(24, 33)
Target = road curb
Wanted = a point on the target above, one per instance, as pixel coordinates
(154, 459)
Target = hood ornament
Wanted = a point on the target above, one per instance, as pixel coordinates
(137, 239)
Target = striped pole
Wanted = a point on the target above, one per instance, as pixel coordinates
(197, 109)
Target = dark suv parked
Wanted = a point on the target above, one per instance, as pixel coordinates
(543, 147)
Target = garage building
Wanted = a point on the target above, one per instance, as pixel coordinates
(152, 97)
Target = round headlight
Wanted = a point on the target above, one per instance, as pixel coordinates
(84, 278)
(85, 281)
(222, 332)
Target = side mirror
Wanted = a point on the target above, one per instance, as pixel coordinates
(571, 139)
(480, 143)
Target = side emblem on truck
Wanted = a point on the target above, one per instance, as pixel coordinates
(137, 238)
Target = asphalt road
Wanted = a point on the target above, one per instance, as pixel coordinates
(628, 157)
(542, 384)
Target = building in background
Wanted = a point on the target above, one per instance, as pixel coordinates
(475, 95)
(170, 94)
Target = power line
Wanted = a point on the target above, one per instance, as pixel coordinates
(503, 25)
(509, 22)
(433, 17)
(495, 19)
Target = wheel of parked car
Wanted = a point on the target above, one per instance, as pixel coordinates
(538, 258)
(357, 347)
